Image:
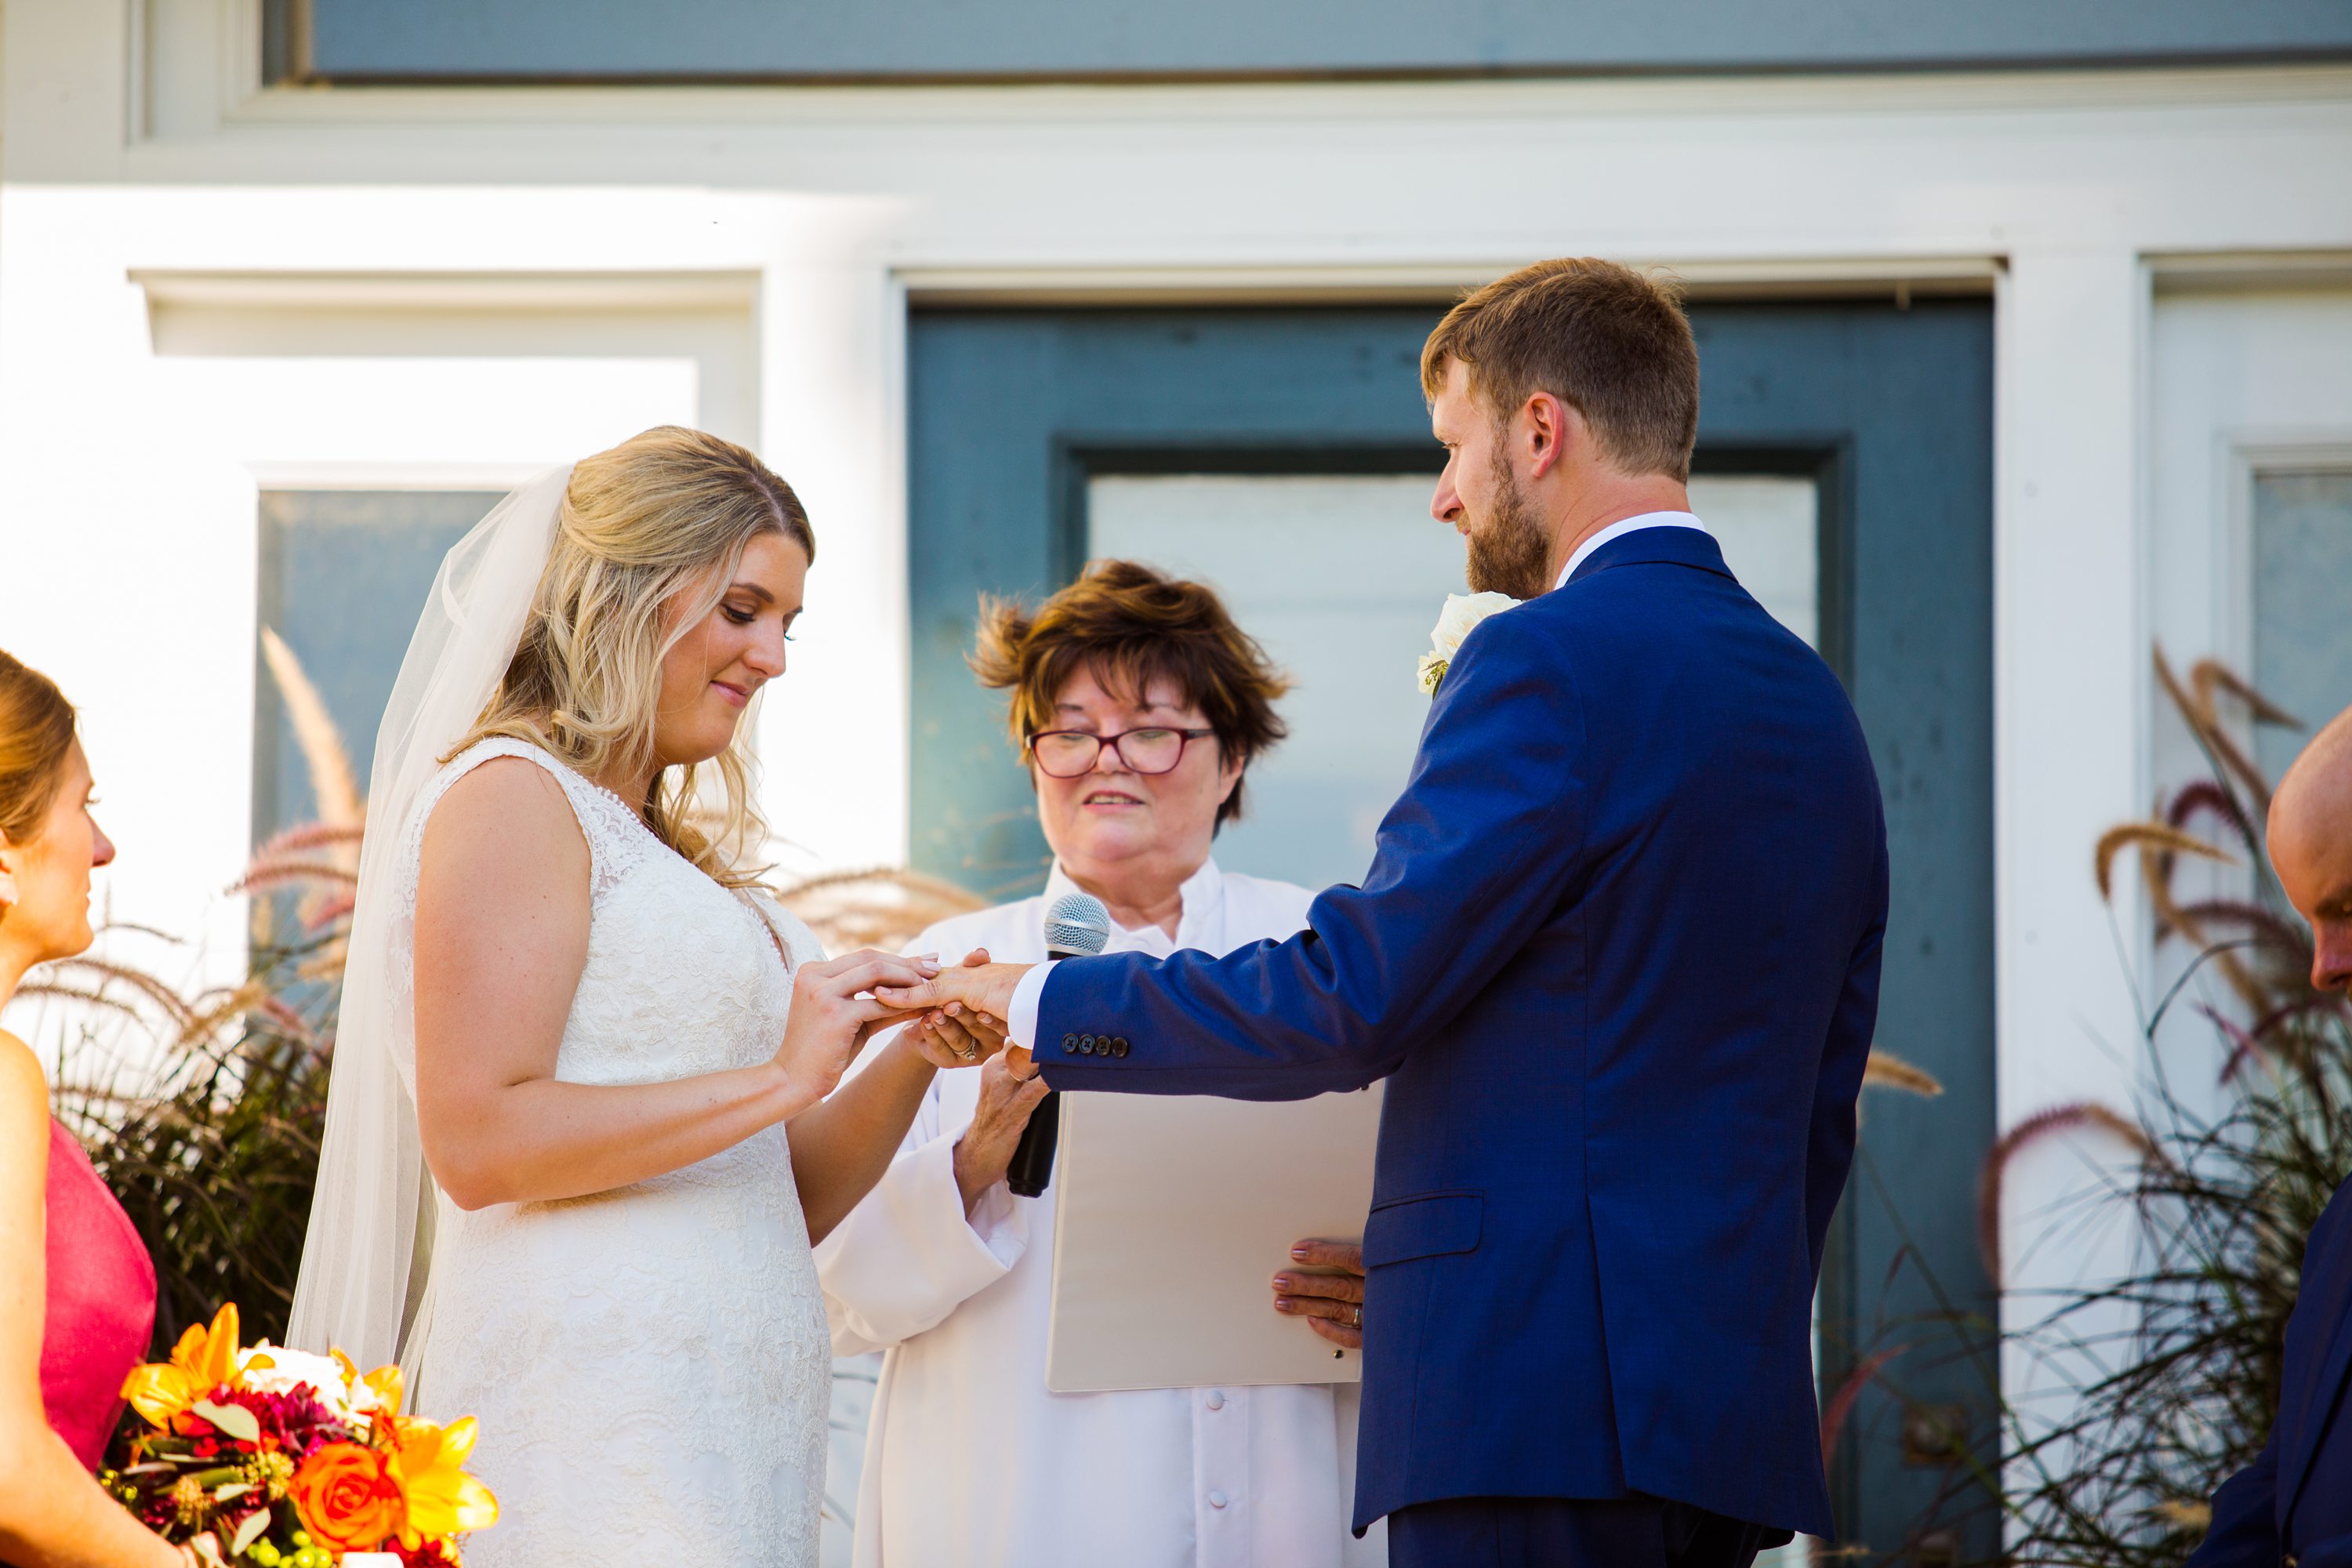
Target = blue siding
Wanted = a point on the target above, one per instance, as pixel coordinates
(364, 39)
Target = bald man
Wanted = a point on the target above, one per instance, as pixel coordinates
(2294, 1504)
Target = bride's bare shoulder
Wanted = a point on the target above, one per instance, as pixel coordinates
(504, 813)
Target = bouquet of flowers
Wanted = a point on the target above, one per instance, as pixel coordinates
(281, 1458)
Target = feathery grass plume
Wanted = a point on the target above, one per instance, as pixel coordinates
(319, 860)
(323, 752)
(106, 975)
(2080, 1117)
(2147, 835)
(2197, 709)
(1839, 1406)
(2209, 797)
(1884, 1069)
(2208, 676)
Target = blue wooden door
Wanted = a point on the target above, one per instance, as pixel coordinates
(1858, 433)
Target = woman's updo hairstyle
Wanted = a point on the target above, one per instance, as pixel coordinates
(663, 517)
(36, 731)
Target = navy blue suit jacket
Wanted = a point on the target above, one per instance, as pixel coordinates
(1618, 956)
(2295, 1500)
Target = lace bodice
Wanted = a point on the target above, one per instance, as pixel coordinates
(650, 1365)
(624, 1025)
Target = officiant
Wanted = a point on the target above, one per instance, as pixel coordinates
(1136, 706)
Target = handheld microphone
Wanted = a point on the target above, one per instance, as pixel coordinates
(1076, 926)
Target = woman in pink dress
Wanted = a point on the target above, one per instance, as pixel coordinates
(76, 1288)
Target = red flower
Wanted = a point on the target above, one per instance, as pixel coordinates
(431, 1554)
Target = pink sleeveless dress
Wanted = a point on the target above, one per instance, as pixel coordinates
(101, 1303)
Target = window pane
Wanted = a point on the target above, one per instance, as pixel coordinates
(2303, 603)
(343, 573)
(1768, 526)
(1340, 576)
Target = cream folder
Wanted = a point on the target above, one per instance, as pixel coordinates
(1173, 1214)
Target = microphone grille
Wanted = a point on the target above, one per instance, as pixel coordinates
(1077, 922)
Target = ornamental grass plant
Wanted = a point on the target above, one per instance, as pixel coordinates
(2156, 1385)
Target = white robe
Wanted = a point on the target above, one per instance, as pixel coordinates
(970, 1462)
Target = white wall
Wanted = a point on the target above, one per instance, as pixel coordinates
(156, 150)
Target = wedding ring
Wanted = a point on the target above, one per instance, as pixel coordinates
(1359, 1317)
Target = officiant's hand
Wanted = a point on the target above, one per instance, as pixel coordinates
(983, 988)
(955, 1036)
(1332, 1304)
(985, 1150)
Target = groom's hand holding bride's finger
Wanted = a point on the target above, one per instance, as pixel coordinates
(955, 1036)
(985, 988)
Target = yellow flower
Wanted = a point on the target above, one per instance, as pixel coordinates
(203, 1360)
(442, 1498)
(377, 1394)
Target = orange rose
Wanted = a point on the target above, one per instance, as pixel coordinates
(348, 1497)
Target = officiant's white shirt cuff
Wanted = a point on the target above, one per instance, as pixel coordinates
(907, 1256)
(1027, 997)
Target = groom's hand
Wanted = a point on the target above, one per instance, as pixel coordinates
(1332, 1304)
(955, 1036)
(984, 988)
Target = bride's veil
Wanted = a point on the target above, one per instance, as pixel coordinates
(363, 1260)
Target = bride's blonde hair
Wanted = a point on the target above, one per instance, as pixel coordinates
(658, 523)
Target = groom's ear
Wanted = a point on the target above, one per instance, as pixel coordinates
(1544, 430)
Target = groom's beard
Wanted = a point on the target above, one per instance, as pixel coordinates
(1509, 551)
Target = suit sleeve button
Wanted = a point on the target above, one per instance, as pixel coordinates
(1118, 1047)
(1070, 1043)
(1086, 1044)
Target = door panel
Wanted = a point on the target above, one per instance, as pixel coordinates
(1845, 452)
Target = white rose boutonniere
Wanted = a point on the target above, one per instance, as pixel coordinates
(1461, 612)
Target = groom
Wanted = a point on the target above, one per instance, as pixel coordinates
(1618, 955)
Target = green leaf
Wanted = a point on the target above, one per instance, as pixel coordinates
(248, 1533)
(234, 1420)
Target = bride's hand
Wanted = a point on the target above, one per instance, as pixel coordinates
(829, 1019)
(955, 1036)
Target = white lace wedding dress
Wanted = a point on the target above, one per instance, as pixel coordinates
(650, 1365)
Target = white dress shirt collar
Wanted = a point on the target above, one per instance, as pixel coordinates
(1202, 894)
(1619, 530)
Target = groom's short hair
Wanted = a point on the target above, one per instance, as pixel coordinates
(1608, 341)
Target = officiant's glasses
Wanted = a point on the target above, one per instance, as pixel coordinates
(1066, 754)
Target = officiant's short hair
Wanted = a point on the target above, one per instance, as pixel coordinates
(1131, 625)
(1610, 343)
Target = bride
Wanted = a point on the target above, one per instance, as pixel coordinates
(578, 1139)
